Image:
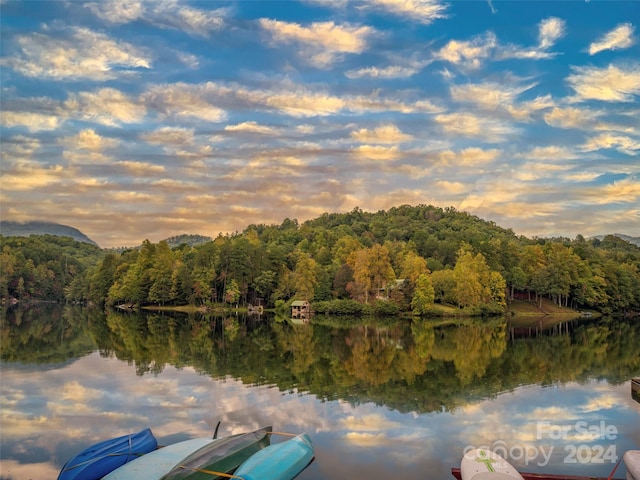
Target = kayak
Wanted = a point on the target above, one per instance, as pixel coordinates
(223, 455)
(280, 461)
(102, 458)
(483, 464)
(155, 464)
(190, 458)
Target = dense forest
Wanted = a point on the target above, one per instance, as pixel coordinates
(407, 259)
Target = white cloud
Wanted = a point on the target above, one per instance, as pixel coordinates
(492, 96)
(621, 191)
(251, 127)
(86, 54)
(392, 71)
(168, 14)
(570, 117)
(33, 122)
(621, 143)
(469, 53)
(106, 106)
(376, 152)
(423, 11)
(169, 136)
(471, 125)
(610, 84)
(322, 43)
(88, 140)
(550, 30)
(619, 37)
(382, 134)
(117, 11)
(186, 100)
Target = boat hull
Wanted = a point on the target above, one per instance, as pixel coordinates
(483, 464)
(541, 476)
(102, 458)
(281, 461)
(223, 455)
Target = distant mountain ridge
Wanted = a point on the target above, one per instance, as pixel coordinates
(25, 229)
(626, 238)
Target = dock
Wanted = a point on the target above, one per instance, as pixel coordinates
(635, 389)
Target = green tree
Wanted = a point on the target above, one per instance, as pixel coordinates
(161, 275)
(423, 295)
(305, 277)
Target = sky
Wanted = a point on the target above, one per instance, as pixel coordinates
(134, 120)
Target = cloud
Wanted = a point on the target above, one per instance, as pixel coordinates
(468, 157)
(549, 31)
(106, 106)
(382, 134)
(88, 140)
(471, 125)
(117, 11)
(194, 21)
(468, 53)
(250, 127)
(170, 14)
(85, 55)
(322, 43)
(626, 190)
(570, 117)
(619, 37)
(621, 143)
(170, 136)
(392, 71)
(27, 176)
(143, 169)
(376, 152)
(450, 187)
(423, 11)
(610, 84)
(33, 122)
(182, 100)
(492, 96)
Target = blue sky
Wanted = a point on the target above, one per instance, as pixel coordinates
(133, 119)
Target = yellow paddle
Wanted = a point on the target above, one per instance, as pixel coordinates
(211, 472)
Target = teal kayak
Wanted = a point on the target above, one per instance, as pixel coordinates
(280, 461)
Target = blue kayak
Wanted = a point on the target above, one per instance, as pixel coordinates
(102, 458)
(280, 461)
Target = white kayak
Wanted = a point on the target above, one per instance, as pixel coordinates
(632, 462)
(155, 464)
(483, 464)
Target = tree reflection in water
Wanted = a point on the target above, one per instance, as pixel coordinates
(408, 365)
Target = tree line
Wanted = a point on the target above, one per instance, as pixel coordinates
(406, 259)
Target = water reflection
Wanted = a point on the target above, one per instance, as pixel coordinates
(392, 395)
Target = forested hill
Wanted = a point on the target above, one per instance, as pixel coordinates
(18, 229)
(408, 257)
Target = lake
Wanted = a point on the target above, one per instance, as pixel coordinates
(379, 398)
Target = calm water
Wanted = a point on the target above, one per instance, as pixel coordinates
(382, 399)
